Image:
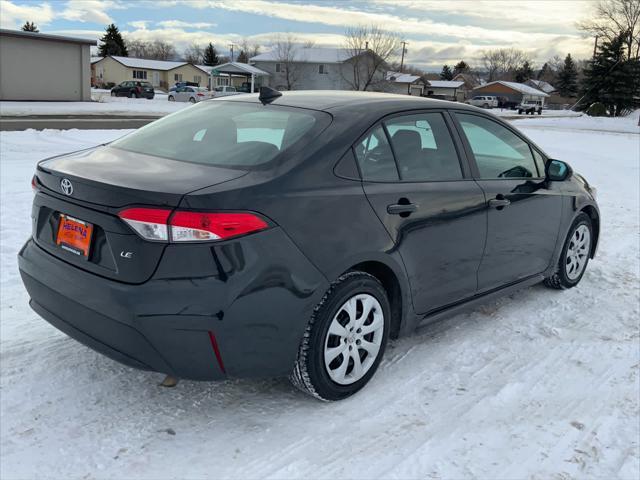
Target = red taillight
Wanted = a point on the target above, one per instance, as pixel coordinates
(34, 183)
(200, 94)
(184, 226)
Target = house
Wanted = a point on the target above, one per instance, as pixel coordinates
(511, 93)
(236, 74)
(317, 68)
(546, 87)
(444, 89)
(160, 73)
(35, 66)
(469, 83)
(404, 83)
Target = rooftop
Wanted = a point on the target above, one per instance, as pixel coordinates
(398, 77)
(309, 55)
(518, 87)
(44, 36)
(445, 83)
(148, 64)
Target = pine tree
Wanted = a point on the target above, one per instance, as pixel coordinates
(210, 55)
(524, 73)
(446, 73)
(30, 27)
(611, 78)
(461, 67)
(243, 57)
(567, 83)
(112, 43)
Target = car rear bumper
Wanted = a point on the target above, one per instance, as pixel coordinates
(245, 319)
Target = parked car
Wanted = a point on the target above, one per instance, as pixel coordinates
(225, 90)
(295, 233)
(530, 107)
(183, 84)
(133, 89)
(190, 94)
(484, 101)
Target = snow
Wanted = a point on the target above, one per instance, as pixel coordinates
(540, 384)
(104, 104)
(519, 87)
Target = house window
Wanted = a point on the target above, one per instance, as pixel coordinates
(279, 68)
(140, 74)
(322, 69)
(197, 79)
(177, 77)
(222, 81)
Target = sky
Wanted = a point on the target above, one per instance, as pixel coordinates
(436, 32)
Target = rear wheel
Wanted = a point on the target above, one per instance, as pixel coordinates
(171, 99)
(113, 94)
(133, 95)
(575, 255)
(486, 105)
(345, 339)
(192, 100)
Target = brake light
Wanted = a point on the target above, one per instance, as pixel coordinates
(185, 226)
(149, 223)
(34, 183)
(200, 94)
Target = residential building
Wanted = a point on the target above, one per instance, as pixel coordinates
(317, 68)
(511, 93)
(469, 83)
(35, 66)
(160, 73)
(444, 89)
(546, 87)
(404, 83)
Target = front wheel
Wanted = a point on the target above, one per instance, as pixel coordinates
(171, 99)
(113, 94)
(345, 339)
(575, 255)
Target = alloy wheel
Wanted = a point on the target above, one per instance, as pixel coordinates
(354, 339)
(578, 252)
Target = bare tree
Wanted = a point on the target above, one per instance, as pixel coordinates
(286, 48)
(613, 17)
(251, 49)
(161, 50)
(193, 54)
(503, 63)
(138, 48)
(370, 50)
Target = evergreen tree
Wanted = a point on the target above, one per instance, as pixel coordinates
(461, 67)
(30, 27)
(567, 83)
(112, 43)
(243, 57)
(210, 55)
(524, 72)
(446, 73)
(611, 78)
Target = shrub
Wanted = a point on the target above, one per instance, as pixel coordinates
(597, 109)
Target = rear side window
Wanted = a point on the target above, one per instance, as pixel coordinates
(424, 148)
(227, 134)
(375, 157)
(499, 153)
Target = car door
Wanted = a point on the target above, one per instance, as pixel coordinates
(421, 189)
(523, 209)
(120, 89)
(180, 94)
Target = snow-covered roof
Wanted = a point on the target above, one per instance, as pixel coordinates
(238, 67)
(309, 55)
(148, 64)
(96, 59)
(445, 84)
(546, 87)
(519, 87)
(398, 77)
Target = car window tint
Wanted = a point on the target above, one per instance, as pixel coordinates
(239, 135)
(499, 152)
(424, 148)
(539, 162)
(375, 157)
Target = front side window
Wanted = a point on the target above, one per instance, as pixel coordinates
(375, 157)
(499, 153)
(225, 134)
(424, 148)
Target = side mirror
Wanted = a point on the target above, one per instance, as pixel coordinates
(558, 171)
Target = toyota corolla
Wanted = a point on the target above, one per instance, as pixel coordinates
(294, 234)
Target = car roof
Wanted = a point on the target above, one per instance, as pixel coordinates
(334, 101)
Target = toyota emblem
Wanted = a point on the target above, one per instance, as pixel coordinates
(66, 186)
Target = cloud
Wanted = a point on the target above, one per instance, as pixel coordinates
(13, 16)
(92, 11)
(140, 24)
(181, 24)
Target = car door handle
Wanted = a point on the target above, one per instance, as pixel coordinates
(401, 208)
(499, 202)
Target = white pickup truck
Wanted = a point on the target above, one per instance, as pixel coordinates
(484, 101)
(530, 107)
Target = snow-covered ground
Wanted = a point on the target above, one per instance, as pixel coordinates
(542, 384)
(507, 112)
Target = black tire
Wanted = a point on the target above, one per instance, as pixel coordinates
(559, 279)
(309, 373)
(171, 98)
(192, 100)
(486, 105)
(133, 95)
(114, 94)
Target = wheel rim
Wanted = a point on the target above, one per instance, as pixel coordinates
(353, 341)
(578, 252)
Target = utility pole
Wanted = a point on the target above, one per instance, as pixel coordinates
(595, 46)
(231, 45)
(404, 49)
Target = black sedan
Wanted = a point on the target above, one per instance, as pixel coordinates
(133, 89)
(294, 234)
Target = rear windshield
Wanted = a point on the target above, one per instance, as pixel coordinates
(226, 134)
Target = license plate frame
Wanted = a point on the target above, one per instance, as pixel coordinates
(74, 236)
